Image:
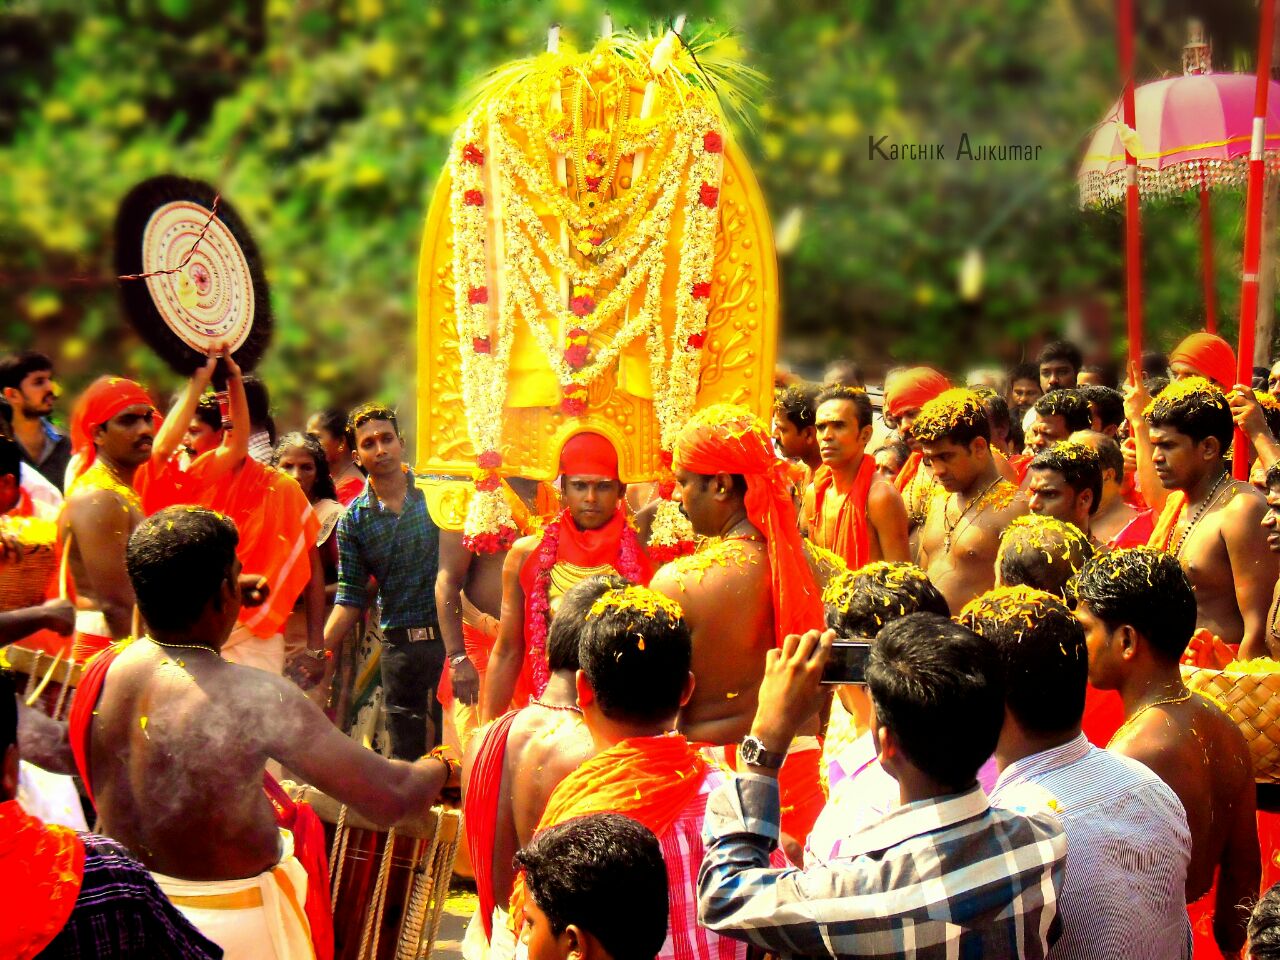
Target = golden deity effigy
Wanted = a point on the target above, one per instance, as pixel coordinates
(597, 257)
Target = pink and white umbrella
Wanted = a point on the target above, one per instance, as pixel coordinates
(1192, 131)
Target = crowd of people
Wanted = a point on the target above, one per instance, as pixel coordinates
(652, 755)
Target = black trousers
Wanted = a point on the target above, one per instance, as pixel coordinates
(410, 674)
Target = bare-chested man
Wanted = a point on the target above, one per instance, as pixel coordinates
(905, 393)
(1139, 612)
(1113, 514)
(961, 532)
(1208, 522)
(117, 449)
(469, 604)
(591, 536)
(519, 761)
(172, 741)
(745, 591)
(1059, 414)
(847, 509)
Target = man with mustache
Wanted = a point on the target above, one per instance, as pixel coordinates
(847, 509)
(26, 382)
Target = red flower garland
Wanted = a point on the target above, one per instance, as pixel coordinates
(573, 402)
(696, 340)
(712, 142)
(473, 154)
(489, 460)
(475, 198)
(481, 345)
(544, 558)
(709, 195)
(581, 306)
(481, 295)
(702, 290)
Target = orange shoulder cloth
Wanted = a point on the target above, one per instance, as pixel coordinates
(1162, 535)
(41, 869)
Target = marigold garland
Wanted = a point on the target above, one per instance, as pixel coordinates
(617, 248)
(544, 558)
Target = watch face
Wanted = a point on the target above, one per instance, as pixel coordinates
(751, 749)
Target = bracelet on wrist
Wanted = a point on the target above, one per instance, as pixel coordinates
(457, 658)
(321, 655)
(445, 755)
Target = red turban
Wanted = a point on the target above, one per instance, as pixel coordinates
(1208, 355)
(589, 455)
(104, 399)
(912, 389)
(729, 439)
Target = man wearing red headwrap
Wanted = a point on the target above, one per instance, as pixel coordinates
(1204, 355)
(905, 392)
(113, 429)
(746, 592)
(592, 535)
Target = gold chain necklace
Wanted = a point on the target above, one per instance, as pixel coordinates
(556, 706)
(185, 646)
(1199, 515)
(1183, 698)
(979, 499)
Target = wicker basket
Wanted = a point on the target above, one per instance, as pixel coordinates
(26, 582)
(1252, 701)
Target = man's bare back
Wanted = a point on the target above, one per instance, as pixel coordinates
(967, 569)
(544, 745)
(1196, 749)
(180, 741)
(1225, 557)
(97, 523)
(726, 595)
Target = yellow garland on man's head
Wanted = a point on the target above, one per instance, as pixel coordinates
(1196, 390)
(947, 412)
(638, 600)
(1011, 606)
(1075, 450)
(1053, 537)
(739, 420)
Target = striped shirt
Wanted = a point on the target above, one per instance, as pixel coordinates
(120, 912)
(951, 877)
(1128, 847)
(682, 851)
(401, 552)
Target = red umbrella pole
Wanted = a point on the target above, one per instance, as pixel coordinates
(1206, 256)
(1132, 223)
(1253, 224)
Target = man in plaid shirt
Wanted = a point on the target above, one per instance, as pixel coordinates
(945, 875)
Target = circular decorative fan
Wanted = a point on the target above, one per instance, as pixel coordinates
(190, 274)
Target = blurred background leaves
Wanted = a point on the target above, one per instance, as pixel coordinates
(326, 124)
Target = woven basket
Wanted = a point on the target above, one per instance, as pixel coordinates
(26, 582)
(1252, 701)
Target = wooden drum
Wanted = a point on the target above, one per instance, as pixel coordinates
(388, 886)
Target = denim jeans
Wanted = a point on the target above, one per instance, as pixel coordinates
(410, 675)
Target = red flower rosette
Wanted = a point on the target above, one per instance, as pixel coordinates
(712, 142)
(696, 340)
(666, 458)
(573, 402)
(484, 543)
(661, 553)
(488, 482)
(576, 351)
(593, 184)
(666, 489)
(475, 198)
(709, 195)
(582, 306)
(701, 291)
(473, 154)
(478, 295)
(489, 460)
(481, 345)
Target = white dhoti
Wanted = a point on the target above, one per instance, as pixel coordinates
(501, 946)
(257, 918)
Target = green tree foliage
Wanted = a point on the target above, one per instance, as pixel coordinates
(326, 124)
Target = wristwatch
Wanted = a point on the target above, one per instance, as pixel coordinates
(752, 751)
(457, 658)
(322, 654)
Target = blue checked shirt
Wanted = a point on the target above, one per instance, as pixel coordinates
(1128, 847)
(401, 552)
(951, 878)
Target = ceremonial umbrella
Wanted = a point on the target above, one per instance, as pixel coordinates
(1193, 133)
